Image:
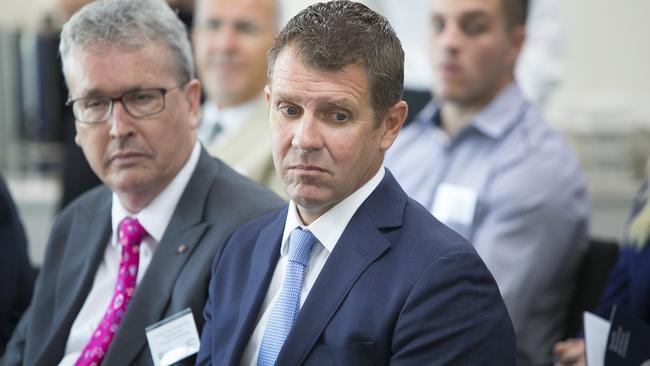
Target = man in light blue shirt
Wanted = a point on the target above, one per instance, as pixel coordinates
(483, 161)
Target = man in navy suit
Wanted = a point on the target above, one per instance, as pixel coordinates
(352, 272)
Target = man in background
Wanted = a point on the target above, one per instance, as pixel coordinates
(481, 158)
(231, 39)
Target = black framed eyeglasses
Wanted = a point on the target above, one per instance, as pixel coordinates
(137, 103)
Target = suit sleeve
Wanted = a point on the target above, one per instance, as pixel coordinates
(454, 315)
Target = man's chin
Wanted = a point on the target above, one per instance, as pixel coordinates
(307, 197)
(127, 183)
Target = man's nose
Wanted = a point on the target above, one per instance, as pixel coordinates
(225, 39)
(307, 134)
(121, 121)
(450, 38)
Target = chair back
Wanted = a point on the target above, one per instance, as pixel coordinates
(596, 265)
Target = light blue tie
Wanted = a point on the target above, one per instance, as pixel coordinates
(286, 309)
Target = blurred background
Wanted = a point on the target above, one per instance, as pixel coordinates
(587, 67)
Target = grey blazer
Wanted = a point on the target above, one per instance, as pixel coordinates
(215, 201)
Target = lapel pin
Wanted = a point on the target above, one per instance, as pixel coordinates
(182, 249)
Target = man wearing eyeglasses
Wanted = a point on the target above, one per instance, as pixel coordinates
(137, 250)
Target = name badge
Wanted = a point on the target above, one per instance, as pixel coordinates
(173, 339)
(454, 204)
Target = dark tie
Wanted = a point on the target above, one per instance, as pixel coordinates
(285, 311)
(214, 132)
(131, 234)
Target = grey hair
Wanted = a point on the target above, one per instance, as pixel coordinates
(130, 24)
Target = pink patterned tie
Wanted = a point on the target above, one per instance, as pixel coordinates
(131, 234)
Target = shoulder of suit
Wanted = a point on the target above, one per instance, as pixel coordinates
(251, 228)
(235, 191)
(88, 201)
(432, 235)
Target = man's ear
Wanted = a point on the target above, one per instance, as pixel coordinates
(517, 39)
(267, 93)
(193, 97)
(392, 123)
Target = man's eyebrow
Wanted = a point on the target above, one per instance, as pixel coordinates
(328, 102)
(98, 92)
(210, 23)
(468, 14)
(338, 103)
(247, 25)
(279, 94)
(475, 14)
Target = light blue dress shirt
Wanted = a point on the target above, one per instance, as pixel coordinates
(510, 185)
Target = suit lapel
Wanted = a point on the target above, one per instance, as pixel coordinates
(360, 245)
(153, 294)
(91, 230)
(264, 260)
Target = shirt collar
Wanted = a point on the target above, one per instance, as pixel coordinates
(233, 117)
(494, 120)
(155, 217)
(501, 113)
(329, 227)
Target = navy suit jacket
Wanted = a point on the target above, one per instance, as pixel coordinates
(398, 288)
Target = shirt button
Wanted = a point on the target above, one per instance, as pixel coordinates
(145, 252)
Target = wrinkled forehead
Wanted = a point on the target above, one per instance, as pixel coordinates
(301, 83)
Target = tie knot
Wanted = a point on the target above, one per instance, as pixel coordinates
(300, 244)
(131, 232)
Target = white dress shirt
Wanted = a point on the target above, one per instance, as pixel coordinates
(327, 229)
(230, 119)
(154, 218)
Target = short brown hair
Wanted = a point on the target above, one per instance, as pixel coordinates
(515, 11)
(330, 36)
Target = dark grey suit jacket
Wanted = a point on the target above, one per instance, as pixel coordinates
(215, 201)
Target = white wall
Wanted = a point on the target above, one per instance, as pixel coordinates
(607, 49)
(24, 14)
